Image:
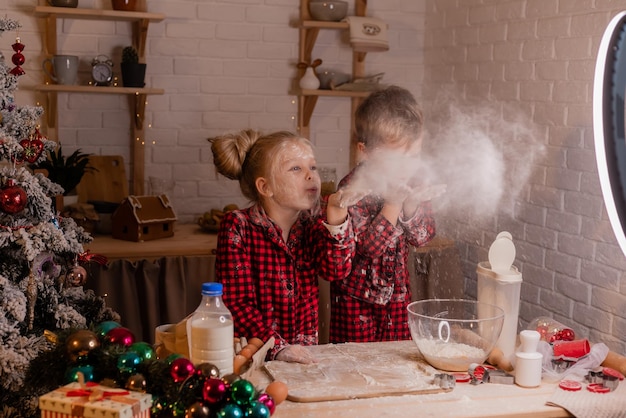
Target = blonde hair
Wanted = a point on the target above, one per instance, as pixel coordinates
(390, 116)
(248, 155)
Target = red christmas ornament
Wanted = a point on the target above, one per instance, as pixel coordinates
(13, 198)
(17, 58)
(120, 336)
(214, 390)
(33, 147)
(181, 369)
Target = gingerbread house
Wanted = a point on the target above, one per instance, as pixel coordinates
(143, 218)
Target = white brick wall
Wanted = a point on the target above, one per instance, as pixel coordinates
(537, 59)
(228, 65)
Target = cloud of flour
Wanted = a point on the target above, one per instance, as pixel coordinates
(484, 155)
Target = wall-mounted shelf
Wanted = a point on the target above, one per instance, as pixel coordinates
(137, 96)
(307, 99)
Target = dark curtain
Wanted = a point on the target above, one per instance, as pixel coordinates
(147, 294)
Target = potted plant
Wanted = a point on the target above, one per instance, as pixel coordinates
(133, 72)
(65, 171)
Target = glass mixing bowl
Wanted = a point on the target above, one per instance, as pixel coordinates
(451, 334)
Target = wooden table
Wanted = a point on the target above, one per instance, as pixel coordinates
(188, 240)
(465, 400)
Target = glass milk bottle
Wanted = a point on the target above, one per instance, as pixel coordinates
(210, 331)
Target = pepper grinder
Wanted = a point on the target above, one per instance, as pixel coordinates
(528, 361)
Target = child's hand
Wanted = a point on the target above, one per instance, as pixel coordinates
(296, 354)
(421, 194)
(425, 193)
(348, 197)
(336, 214)
(396, 193)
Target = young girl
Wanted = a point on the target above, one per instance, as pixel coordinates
(269, 256)
(370, 305)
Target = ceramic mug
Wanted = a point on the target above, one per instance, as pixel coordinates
(63, 3)
(62, 69)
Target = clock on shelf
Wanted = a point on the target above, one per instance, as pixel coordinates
(102, 70)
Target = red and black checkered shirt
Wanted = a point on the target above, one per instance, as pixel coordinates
(370, 304)
(271, 287)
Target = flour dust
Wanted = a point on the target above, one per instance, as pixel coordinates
(483, 155)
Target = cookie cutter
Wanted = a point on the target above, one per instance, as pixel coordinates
(599, 378)
(445, 380)
(481, 374)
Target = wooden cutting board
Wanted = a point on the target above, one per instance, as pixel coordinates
(108, 183)
(352, 371)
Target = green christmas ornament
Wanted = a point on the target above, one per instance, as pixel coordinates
(230, 411)
(127, 362)
(143, 349)
(72, 373)
(257, 410)
(170, 359)
(242, 392)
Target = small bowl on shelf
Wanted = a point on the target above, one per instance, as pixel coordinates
(329, 11)
(331, 78)
(451, 334)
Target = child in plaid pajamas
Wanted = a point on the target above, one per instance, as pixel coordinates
(269, 256)
(370, 304)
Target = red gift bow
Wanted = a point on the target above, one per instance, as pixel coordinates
(95, 394)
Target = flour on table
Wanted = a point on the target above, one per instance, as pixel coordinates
(363, 370)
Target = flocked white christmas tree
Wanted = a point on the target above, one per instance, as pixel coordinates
(41, 277)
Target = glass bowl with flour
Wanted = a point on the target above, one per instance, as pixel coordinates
(451, 334)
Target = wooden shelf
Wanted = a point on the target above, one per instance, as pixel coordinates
(61, 88)
(334, 93)
(312, 24)
(307, 99)
(137, 96)
(96, 14)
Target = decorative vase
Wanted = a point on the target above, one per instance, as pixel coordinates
(125, 5)
(133, 74)
(309, 80)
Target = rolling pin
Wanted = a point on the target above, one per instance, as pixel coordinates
(496, 358)
(616, 362)
(613, 360)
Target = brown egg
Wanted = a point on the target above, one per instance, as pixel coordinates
(257, 342)
(247, 352)
(238, 363)
(253, 347)
(277, 390)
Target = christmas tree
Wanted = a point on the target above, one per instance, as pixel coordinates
(41, 276)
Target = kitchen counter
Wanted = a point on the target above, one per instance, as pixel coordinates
(189, 240)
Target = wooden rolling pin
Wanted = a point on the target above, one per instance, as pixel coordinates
(616, 362)
(613, 360)
(496, 359)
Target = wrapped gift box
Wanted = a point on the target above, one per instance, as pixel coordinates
(76, 401)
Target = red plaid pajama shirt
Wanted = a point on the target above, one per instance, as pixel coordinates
(370, 304)
(271, 287)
